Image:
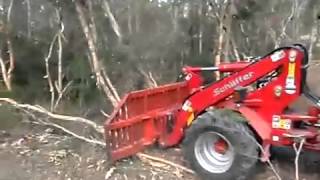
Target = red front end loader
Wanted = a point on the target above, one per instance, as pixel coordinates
(226, 126)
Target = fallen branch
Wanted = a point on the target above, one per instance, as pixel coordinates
(40, 121)
(41, 110)
(101, 143)
(268, 160)
(47, 123)
(92, 141)
(109, 173)
(298, 152)
(27, 108)
(152, 158)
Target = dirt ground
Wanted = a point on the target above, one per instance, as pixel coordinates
(41, 154)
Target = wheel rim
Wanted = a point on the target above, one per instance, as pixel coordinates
(214, 152)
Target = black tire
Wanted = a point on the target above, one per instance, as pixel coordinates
(234, 128)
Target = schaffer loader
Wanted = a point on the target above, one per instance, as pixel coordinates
(226, 126)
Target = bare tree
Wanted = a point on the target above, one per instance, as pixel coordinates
(114, 24)
(56, 87)
(221, 18)
(103, 81)
(8, 64)
(286, 22)
(28, 3)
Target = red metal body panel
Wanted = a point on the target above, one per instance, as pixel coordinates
(212, 95)
(143, 117)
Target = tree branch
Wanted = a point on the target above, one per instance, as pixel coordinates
(60, 95)
(4, 73)
(114, 23)
(60, 49)
(43, 111)
(48, 74)
(152, 158)
(92, 141)
(7, 73)
(285, 25)
(103, 81)
(313, 37)
(29, 18)
(297, 151)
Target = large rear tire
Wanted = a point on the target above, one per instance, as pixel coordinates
(220, 145)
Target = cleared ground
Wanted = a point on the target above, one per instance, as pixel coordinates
(30, 152)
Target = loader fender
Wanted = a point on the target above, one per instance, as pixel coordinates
(259, 124)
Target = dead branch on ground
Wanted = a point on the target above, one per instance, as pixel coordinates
(298, 149)
(43, 111)
(268, 160)
(44, 122)
(109, 173)
(92, 141)
(31, 111)
(153, 158)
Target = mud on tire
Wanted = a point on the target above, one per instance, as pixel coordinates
(242, 151)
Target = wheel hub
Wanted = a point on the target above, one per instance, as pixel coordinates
(214, 152)
(220, 146)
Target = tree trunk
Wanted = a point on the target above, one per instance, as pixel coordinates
(201, 14)
(103, 81)
(114, 24)
(174, 17)
(7, 71)
(129, 19)
(222, 32)
(29, 30)
(227, 28)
